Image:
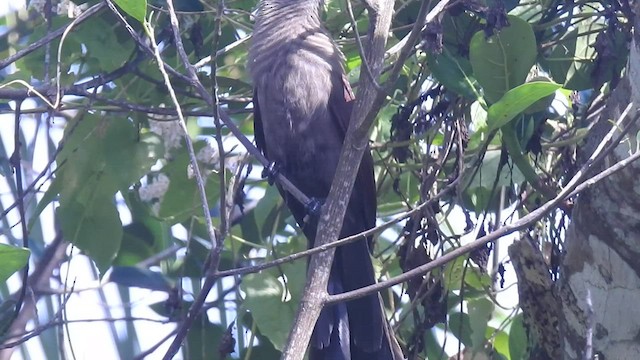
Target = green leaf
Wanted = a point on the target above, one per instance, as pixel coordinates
(100, 156)
(31, 64)
(136, 8)
(454, 73)
(460, 327)
(137, 244)
(272, 314)
(12, 259)
(353, 62)
(270, 213)
(502, 61)
(264, 351)
(567, 64)
(93, 226)
(136, 277)
(521, 160)
(130, 155)
(273, 306)
(194, 262)
(104, 154)
(501, 344)
(101, 43)
(516, 101)
(479, 314)
(203, 340)
(182, 199)
(517, 339)
(476, 279)
(571, 60)
(453, 273)
(7, 315)
(489, 170)
(232, 84)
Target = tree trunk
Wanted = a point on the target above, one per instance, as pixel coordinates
(600, 281)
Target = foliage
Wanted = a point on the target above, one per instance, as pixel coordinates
(490, 107)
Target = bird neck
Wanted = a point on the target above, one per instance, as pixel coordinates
(290, 14)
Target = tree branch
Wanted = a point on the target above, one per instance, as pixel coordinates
(356, 140)
(50, 36)
(334, 244)
(50, 259)
(208, 98)
(575, 185)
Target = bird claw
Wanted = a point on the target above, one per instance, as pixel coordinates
(314, 206)
(271, 172)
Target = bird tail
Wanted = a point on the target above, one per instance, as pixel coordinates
(358, 329)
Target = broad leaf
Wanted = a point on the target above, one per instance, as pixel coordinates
(12, 259)
(273, 306)
(454, 73)
(182, 199)
(135, 8)
(100, 156)
(137, 277)
(502, 61)
(516, 101)
(517, 339)
(479, 314)
(93, 225)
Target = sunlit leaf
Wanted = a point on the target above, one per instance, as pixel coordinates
(516, 101)
(12, 259)
(272, 305)
(136, 8)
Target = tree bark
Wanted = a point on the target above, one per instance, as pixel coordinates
(600, 276)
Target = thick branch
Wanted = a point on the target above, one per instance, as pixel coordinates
(333, 212)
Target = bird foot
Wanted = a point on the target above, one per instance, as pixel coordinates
(271, 172)
(314, 206)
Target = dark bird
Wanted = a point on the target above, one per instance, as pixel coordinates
(302, 106)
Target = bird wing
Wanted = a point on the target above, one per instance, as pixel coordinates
(258, 132)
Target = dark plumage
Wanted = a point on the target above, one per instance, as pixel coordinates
(302, 106)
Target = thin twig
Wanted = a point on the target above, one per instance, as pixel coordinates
(200, 182)
(214, 258)
(41, 274)
(217, 30)
(16, 162)
(340, 242)
(575, 185)
(50, 36)
(424, 16)
(363, 56)
(207, 97)
(222, 51)
(155, 347)
(24, 337)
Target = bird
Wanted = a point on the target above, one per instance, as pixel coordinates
(302, 104)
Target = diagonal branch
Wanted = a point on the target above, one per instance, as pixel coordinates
(578, 183)
(356, 140)
(193, 80)
(349, 239)
(50, 36)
